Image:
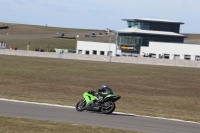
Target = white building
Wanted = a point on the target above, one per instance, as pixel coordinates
(145, 37)
(95, 48)
(171, 51)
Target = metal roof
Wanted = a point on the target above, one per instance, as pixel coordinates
(153, 20)
(140, 31)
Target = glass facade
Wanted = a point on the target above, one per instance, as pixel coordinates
(146, 40)
(140, 25)
(135, 41)
(146, 26)
(129, 43)
(134, 24)
(129, 40)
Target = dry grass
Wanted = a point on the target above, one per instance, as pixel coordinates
(18, 125)
(192, 36)
(192, 39)
(21, 43)
(171, 92)
(22, 29)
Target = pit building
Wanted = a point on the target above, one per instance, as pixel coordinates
(155, 38)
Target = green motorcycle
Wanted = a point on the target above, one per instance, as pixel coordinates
(90, 103)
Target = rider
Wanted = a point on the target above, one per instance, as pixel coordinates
(101, 93)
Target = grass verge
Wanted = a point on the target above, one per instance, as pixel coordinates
(19, 125)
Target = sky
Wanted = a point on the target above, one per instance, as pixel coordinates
(99, 14)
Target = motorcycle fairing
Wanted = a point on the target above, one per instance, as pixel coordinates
(88, 97)
(112, 97)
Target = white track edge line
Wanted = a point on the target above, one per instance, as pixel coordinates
(63, 106)
(47, 104)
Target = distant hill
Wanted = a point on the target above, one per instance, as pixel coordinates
(20, 35)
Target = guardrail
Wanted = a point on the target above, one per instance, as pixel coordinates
(134, 60)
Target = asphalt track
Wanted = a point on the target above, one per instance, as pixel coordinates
(58, 113)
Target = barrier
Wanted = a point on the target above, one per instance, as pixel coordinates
(103, 58)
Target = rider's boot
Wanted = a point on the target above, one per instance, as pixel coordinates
(100, 99)
(90, 104)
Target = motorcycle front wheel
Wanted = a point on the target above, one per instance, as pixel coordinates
(108, 107)
(80, 106)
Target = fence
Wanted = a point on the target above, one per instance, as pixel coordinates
(134, 60)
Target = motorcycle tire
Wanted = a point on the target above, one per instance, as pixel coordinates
(109, 108)
(80, 106)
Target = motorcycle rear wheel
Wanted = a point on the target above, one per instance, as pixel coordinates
(108, 107)
(80, 106)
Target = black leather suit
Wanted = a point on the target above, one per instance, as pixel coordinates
(101, 93)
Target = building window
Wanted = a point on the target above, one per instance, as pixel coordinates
(102, 53)
(146, 26)
(94, 52)
(129, 24)
(146, 41)
(134, 24)
(152, 55)
(128, 40)
(176, 57)
(79, 51)
(87, 52)
(137, 24)
(166, 56)
(137, 41)
(109, 53)
(156, 39)
(197, 57)
(187, 57)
